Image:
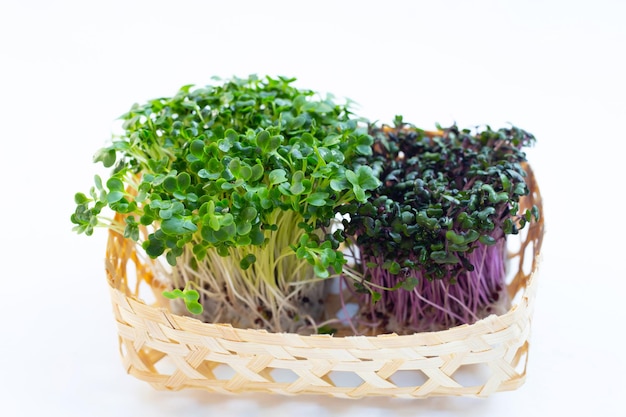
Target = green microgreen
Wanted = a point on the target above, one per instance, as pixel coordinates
(220, 168)
(190, 298)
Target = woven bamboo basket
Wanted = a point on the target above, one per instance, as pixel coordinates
(174, 352)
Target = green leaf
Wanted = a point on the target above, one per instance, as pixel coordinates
(80, 198)
(277, 176)
(244, 227)
(197, 148)
(245, 172)
(409, 283)
(194, 307)
(366, 178)
(214, 166)
(506, 183)
(443, 257)
(318, 199)
(213, 222)
(249, 213)
(520, 189)
(487, 240)
(177, 226)
(326, 329)
(226, 233)
(170, 184)
(247, 261)
(106, 156)
(190, 295)
(296, 188)
(98, 182)
(226, 219)
(165, 214)
(455, 238)
(257, 236)
(352, 177)
(332, 140)
(115, 196)
(224, 145)
(235, 166)
(320, 270)
(183, 181)
(407, 217)
(359, 193)
(176, 293)
(392, 266)
(535, 212)
(231, 135)
(153, 247)
(115, 184)
(263, 140)
(364, 145)
(257, 172)
(339, 184)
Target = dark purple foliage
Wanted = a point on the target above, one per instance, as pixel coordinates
(431, 239)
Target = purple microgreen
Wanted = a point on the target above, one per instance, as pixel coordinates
(436, 224)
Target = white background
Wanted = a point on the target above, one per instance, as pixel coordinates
(555, 68)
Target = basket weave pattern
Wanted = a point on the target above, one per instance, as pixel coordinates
(173, 352)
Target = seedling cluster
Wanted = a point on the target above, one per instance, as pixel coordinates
(239, 186)
(431, 238)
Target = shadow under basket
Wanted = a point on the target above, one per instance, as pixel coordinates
(173, 352)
